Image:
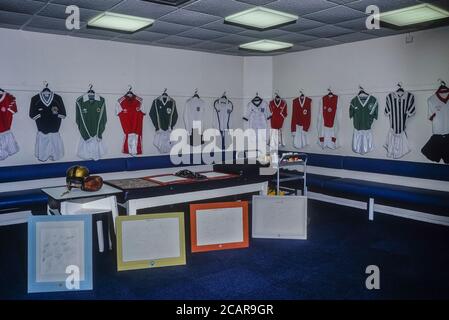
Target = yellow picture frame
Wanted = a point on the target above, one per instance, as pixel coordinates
(150, 263)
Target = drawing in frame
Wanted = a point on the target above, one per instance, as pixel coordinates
(150, 241)
(59, 253)
(219, 226)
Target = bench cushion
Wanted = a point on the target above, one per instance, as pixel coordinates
(396, 194)
(399, 168)
(22, 199)
(56, 170)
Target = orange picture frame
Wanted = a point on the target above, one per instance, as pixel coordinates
(195, 208)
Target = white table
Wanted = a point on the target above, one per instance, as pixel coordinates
(133, 205)
(83, 202)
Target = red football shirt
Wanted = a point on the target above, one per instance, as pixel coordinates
(329, 110)
(131, 117)
(302, 113)
(7, 109)
(278, 113)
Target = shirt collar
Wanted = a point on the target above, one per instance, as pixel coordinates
(86, 97)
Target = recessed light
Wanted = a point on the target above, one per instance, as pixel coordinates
(266, 45)
(414, 15)
(121, 22)
(261, 18)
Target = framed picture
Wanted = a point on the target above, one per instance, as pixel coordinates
(279, 217)
(219, 226)
(59, 253)
(150, 241)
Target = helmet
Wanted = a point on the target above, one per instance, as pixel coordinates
(75, 176)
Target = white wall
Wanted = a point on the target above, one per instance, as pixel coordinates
(70, 64)
(378, 65)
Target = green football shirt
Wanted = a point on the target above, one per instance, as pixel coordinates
(91, 116)
(363, 111)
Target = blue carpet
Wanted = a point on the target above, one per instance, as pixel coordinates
(412, 257)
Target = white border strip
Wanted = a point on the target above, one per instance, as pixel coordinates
(7, 219)
(393, 211)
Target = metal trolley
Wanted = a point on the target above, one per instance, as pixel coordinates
(296, 176)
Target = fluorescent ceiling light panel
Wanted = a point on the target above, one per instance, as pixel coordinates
(261, 18)
(266, 45)
(121, 22)
(414, 15)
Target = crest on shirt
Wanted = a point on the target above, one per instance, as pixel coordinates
(84, 110)
(304, 112)
(168, 110)
(3, 109)
(262, 110)
(54, 110)
(98, 110)
(329, 109)
(198, 109)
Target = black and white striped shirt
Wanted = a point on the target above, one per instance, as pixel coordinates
(400, 106)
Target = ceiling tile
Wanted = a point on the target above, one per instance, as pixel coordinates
(342, 1)
(218, 7)
(212, 45)
(145, 36)
(321, 43)
(384, 5)
(327, 31)
(13, 19)
(223, 27)
(357, 24)
(335, 15)
(143, 9)
(257, 2)
(47, 23)
(269, 34)
(295, 38)
(100, 32)
(21, 6)
(352, 37)
(235, 39)
(202, 34)
(301, 7)
(189, 18)
(298, 47)
(102, 5)
(179, 41)
(167, 27)
(58, 11)
(303, 24)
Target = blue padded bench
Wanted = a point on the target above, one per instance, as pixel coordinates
(418, 199)
(35, 197)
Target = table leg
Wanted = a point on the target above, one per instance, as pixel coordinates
(100, 236)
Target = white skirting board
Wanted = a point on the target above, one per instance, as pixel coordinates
(7, 219)
(377, 208)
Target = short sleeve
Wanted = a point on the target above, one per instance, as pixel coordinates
(61, 107)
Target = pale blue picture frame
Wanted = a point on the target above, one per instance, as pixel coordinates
(35, 286)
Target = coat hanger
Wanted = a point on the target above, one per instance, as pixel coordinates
(1, 90)
(443, 87)
(257, 100)
(46, 89)
(224, 96)
(301, 93)
(362, 91)
(91, 90)
(164, 94)
(130, 92)
(196, 94)
(329, 92)
(400, 88)
(277, 97)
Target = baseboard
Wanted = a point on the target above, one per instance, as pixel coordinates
(378, 208)
(7, 219)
